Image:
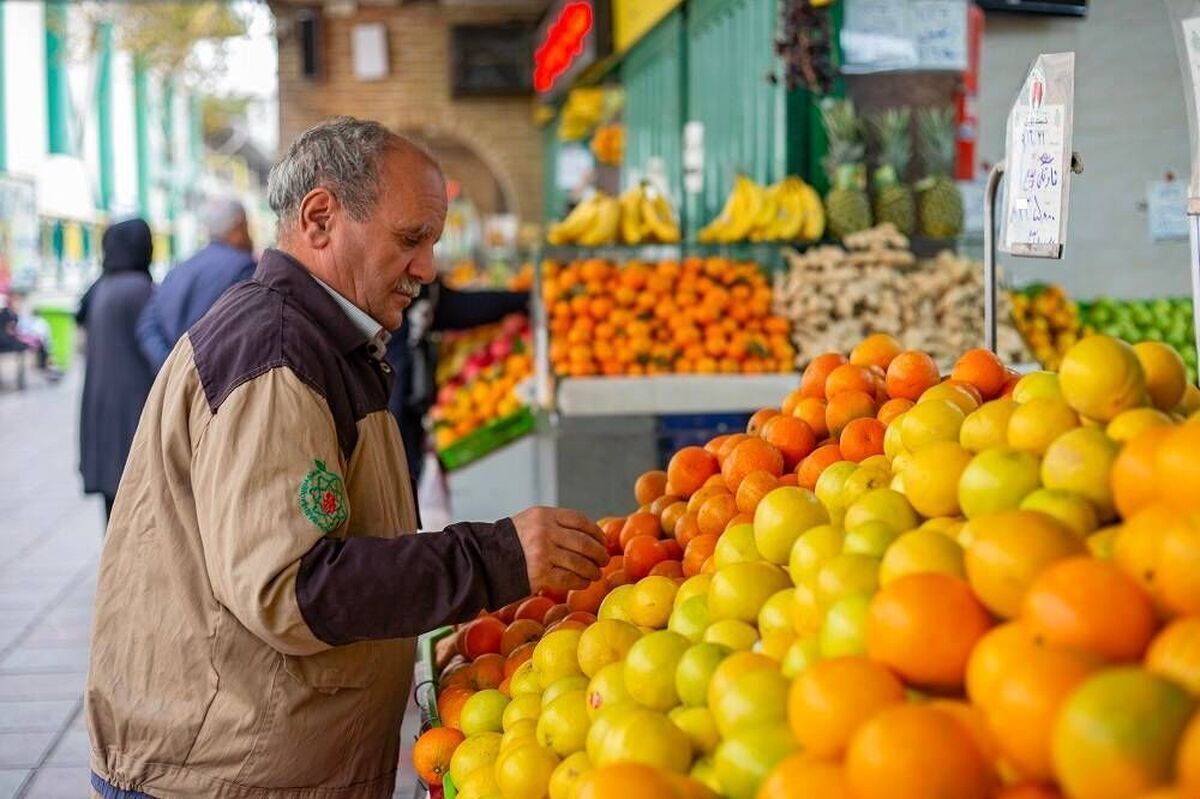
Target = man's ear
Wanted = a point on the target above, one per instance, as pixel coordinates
(316, 217)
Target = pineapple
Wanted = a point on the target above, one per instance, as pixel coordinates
(893, 199)
(939, 205)
(846, 204)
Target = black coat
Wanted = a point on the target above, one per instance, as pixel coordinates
(414, 362)
(118, 376)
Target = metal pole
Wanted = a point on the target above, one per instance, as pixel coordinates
(1194, 237)
(989, 255)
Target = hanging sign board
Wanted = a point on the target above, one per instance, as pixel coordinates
(892, 35)
(1037, 160)
(573, 35)
(633, 19)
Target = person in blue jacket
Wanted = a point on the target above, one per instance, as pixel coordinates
(194, 286)
(413, 356)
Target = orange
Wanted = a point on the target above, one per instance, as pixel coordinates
(482, 636)
(994, 655)
(1178, 567)
(811, 411)
(670, 517)
(790, 402)
(1027, 790)
(753, 488)
(849, 377)
(1025, 702)
(661, 503)
(1137, 549)
(1090, 605)
(1117, 734)
(758, 419)
(973, 720)
(697, 551)
(688, 469)
(715, 513)
(521, 631)
(983, 370)
(642, 554)
(810, 469)
(450, 702)
(1009, 550)
(728, 445)
(889, 410)
(845, 408)
(714, 445)
(915, 752)
(587, 600)
(799, 776)
(1132, 475)
(1175, 654)
(1177, 469)
(612, 527)
(521, 654)
(715, 485)
(624, 780)
(812, 382)
(791, 436)
(832, 698)
(640, 523)
(877, 349)
(862, 438)
(911, 374)
(751, 455)
(432, 751)
(923, 626)
(688, 527)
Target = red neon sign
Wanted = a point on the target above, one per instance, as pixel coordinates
(564, 43)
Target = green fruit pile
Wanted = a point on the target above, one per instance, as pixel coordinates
(1165, 320)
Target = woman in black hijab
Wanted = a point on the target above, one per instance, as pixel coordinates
(118, 376)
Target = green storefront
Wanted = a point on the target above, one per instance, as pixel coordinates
(706, 65)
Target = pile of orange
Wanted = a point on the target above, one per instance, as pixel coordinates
(699, 315)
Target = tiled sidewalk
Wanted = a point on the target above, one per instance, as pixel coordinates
(50, 536)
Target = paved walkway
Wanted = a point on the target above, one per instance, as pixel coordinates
(50, 536)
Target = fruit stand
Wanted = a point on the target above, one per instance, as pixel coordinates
(898, 582)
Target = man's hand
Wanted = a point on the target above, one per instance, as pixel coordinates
(563, 549)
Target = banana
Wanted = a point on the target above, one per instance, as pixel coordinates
(581, 219)
(714, 230)
(814, 213)
(605, 228)
(658, 220)
(749, 202)
(631, 215)
(791, 215)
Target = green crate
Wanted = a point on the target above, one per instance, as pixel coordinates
(62, 334)
(486, 439)
(425, 677)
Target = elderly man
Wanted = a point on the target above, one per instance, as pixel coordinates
(258, 595)
(192, 287)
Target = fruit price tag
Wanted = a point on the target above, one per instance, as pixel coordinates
(1038, 159)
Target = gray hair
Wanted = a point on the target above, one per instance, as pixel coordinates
(222, 217)
(342, 154)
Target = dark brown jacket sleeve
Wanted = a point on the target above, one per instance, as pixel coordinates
(364, 588)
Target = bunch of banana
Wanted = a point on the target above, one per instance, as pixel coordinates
(789, 210)
(593, 223)
(646, 217)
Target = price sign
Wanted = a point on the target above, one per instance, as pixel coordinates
(1038, 160)
(1191, 50)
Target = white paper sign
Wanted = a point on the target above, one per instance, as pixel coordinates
(940, 29)
(693, 157)
(1037, 161)
(1166, 210)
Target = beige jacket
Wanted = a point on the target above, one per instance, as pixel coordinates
(257, 597)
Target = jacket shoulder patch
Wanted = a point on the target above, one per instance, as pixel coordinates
(323, 498)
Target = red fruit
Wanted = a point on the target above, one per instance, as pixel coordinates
(481, 637)
(641, 555)
(535, 608)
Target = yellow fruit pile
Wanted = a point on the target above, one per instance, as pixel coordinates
(789, 210)
(641, 215)
(1003, 605)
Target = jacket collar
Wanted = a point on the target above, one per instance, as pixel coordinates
(285, 274)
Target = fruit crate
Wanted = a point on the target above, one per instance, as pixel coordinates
(425, 679)
(486, 439)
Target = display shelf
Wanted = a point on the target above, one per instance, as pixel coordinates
(668, 394)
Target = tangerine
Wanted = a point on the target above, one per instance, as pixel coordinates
(650, 486)
(432, 751)
(849, 377)
(642, 523)
(983, 370)
(845, 408)
(810, 469)
(791, 436)
(877, 349)
(832, 698)
(911, 374)
(862, 438)
(995, 655)
(811, 411)
(799, 776)
(715, 513)
(748, 456)
(812, 381)
(521, 631)
(891, 409)
(1178, 567)
(752, 489)
(688, 469)
(758, 419)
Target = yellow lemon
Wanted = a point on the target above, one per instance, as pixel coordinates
(931, 478)
(1166, 375)
(987, 426)
(1034, 425)
(921, 551)
(1101, 376)
(930, 421)
(1080, 461)
(1036, 384)
(951, 392)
